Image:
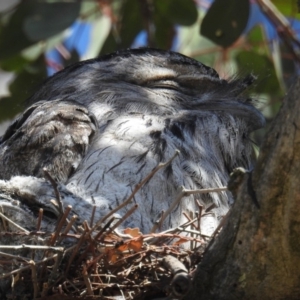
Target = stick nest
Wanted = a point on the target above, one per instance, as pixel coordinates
(98, 262)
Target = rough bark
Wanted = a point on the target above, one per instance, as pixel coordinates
(257, 254)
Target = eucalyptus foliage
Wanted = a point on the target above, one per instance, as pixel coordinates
(39, 37)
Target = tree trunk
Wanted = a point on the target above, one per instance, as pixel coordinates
(257, 254)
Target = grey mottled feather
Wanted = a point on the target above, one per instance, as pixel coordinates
(147, 104)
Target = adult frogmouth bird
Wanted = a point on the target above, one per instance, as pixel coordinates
(100, 126)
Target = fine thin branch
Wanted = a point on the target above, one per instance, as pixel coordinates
(184, 193)
(129, 213)
(27, 267)
(16, 257)
(56, 191)
(60, 224)
(13, 223)
(282, 25)
(32, 247)
(153, 238)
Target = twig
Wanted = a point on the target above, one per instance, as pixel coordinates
(26, 267)
(13, 223)
(39, 221)
(68, 227)
(18, 233)
(153, 239)
(158, 221)
(184, 193)
(86, 226)
(200, 206)
(192, 232)
(93, 216)
(184, 225)
(44, 289)
(129, 213)
(87, 282)
(148, 237)
(104, 228)
(190, 219)
(208, 209)
(3, 221)
(60, 290)
(75, 251)
(282, 25)
(170, 231)
(120, 288)
(181, 282)
(54, 272)
(32, 247)
(71, 284)
(34, 279)
(17, 257)
(198, 217)
(55, 188)
(60, 224)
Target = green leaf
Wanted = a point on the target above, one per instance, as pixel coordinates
(194, 44)
(131, 25)
(261, 66)
(132, 22)
(288, 8)
(10, 107)
(110, 44)
(167, 13)
(257, 40)
(33, 52)
(14, 64)
(256, 35)
(164, 33)
(12, 38)
(47, 19)
(34, 20)
(225, 21)
(21, 88)
(181, 12)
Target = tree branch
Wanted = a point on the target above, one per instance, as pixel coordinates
(257, 254)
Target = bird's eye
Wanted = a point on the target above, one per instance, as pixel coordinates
(164, 84)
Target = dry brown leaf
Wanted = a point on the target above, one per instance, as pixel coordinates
(112, 238)
(182, 240)
(123, 247)
(136, 245)
(134, 232)
(113, 256)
